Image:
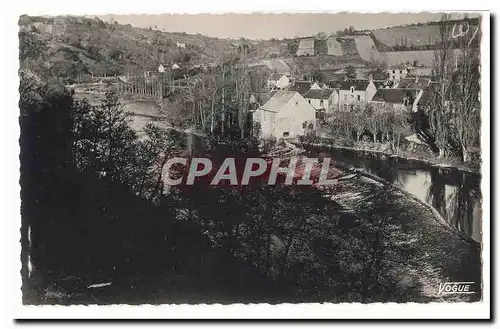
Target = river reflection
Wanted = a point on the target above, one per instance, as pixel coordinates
(455, 194)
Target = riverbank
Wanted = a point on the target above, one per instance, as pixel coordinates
(435, 214)
(422, 157)
(441, 254)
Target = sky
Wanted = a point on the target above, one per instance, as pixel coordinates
(266, 26)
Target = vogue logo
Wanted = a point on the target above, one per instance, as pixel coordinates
(455, 288)
(233, 172)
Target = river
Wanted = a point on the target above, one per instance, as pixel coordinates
(455, 194)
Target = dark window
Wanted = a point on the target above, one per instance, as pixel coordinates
(321, 103)
(359, 97)
(286, 134)
(393, 71)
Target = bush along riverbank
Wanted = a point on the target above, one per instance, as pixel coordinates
(407, 150)
(412, 235)
(407, 239)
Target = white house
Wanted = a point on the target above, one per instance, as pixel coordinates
(286, 114)
(163, 68)
(321, 99)
(302, 87)
(399, 99)
(355, 94)
(278, 81)
(420, 71)
(315, 86)
(180, 45)
(398, 72)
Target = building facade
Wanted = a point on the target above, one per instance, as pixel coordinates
(286, 114)
(396, 73)
(322, 99)
(398, 99)
(277, 81)
(355, 94)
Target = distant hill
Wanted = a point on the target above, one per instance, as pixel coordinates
(423, 36)
(76, 47)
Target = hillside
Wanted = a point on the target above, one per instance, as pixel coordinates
(78, 47)
(423, 36)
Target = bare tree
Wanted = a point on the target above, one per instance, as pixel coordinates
(454, 115)
(358, 122)
(401, 126)
(374, 122)
(464, 100)
(439, 113)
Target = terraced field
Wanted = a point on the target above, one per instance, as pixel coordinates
(423, 36)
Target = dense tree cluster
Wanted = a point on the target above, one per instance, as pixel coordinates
(451, 120)
(383, 124)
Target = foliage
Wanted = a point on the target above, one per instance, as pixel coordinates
(450, 123)
(30, 47)
(109, 49)
(350, 72)
(318, 76)
(383, 124)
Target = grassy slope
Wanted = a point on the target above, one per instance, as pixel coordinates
(442, 255)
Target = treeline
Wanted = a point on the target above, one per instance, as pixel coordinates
(376, 124)
(450, 121)
(217, 101)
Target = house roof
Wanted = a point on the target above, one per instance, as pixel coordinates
(277, 76)
(420, 71)
(357, 84)
(318, 93)
(413, 83)
(335, 83)
(406, 82)
(379, 83)
(427, 97)
(422, 83)
(379, 76)
(302, 87)
(276, 65)
(262, 98)
(393, 95)
(278, 100)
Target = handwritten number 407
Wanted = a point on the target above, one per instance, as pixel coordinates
(463, 29)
